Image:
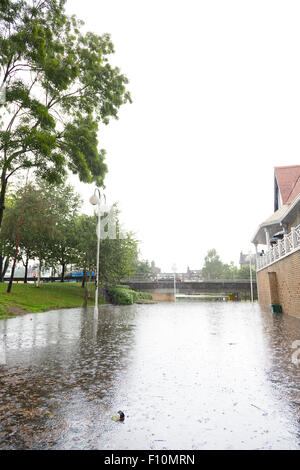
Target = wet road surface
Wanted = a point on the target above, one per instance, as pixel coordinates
(198, 375)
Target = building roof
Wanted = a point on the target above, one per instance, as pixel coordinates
(295, 191)
(277, 216)
(245, 259)
(288, 180)
(274, 222)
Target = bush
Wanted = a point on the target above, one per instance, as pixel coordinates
(123, 295)
(142, 295)
(120, 295)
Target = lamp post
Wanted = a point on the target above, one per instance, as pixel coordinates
(96, 200)
(251, 284)
(174, 269)
(174, 287)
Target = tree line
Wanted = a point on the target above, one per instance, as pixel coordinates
(57, 88)
(43, 222)
(214, 268)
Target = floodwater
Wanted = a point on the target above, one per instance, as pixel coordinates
(199, 375)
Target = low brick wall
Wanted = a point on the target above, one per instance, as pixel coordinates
(162, 297)
(280, 283)
(159, 295)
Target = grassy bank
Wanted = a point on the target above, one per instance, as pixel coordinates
(26, 298)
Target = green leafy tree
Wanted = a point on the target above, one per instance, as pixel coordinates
(86, 243)
(47, 231)
(118, 256)
(244, 273)
(59, 87)
(144, 267)
(7, 241)
(117, 259)
(30, 224)
(213, 266)
(63, 204)
(229, 271)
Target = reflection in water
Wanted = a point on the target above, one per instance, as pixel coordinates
(187, 375)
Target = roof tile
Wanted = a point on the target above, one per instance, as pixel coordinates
(288, 179)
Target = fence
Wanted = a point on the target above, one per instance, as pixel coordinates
(289, 243)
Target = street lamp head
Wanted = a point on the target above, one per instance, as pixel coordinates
(94, 200)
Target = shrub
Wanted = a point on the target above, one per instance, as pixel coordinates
(143, 295)
(123, 295)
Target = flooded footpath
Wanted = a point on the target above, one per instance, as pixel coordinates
(190, 375)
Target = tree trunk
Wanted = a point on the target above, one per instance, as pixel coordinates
(2, 196)
(83, 279)
(13, 269)
(87, 290)
(5, 267)
(63, 272)
(16, 254)
(18, 236)
(26, 270)
(39, 274)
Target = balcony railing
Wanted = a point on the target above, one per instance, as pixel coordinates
(289, 243)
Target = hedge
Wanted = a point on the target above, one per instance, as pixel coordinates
(123, 295)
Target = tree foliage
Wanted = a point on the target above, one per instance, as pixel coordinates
(54, 233)
(59, 87)
(47, 230)
(143, 267)
(118, 257)
(214, 268)
(244, 272)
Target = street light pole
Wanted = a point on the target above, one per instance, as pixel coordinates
(251, 284)
(174, 287)
(96, 200)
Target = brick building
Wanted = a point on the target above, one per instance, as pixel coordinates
(278, 267)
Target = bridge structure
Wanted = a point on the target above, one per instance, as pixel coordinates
(165, 290)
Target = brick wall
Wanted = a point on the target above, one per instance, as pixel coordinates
(286, 281)
(162, 297)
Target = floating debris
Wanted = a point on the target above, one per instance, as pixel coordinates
(119, 416)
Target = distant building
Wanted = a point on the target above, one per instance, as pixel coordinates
(245, 259)
(278, 268)
(155, 269)
(193, 274)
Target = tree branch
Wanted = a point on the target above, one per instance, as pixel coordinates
(14, 155)
(12, 172)
(52, 103)
(17, 112)
(7, 71)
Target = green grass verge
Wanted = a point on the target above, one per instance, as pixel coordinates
(28, 298)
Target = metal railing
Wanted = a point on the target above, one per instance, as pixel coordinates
(289, 243)
(145, 279)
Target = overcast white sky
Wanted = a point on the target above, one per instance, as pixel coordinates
(216, 105)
